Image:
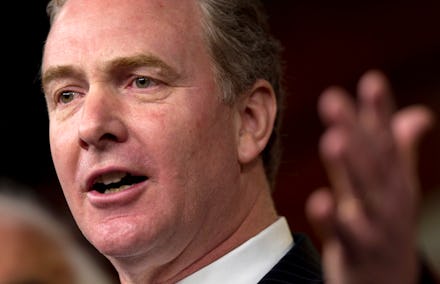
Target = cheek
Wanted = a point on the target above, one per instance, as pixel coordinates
(194, 144)
(56, 139)
(204, 147)
(62, 151)
(195, 141)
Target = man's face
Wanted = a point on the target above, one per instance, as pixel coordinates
(145, 151)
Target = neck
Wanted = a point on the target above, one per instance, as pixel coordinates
(259, 214)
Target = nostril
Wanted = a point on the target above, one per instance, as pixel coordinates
(83, 144)
(109, 136)
(98, 129)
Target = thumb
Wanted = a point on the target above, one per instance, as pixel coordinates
(409, 127)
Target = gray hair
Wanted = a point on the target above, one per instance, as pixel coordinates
(243, 51)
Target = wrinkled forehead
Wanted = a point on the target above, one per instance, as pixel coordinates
(129, 11)
(88, 23)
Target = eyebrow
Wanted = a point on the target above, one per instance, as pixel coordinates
(59, 72)
(141, 60)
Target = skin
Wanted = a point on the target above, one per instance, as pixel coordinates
(368, 219)
(200, 157)
(130, 89)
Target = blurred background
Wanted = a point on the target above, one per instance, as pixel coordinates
(334, 43)
(326, 43)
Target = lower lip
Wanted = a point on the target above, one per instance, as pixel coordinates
(121, 198)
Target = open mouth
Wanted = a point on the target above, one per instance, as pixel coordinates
(116, 182)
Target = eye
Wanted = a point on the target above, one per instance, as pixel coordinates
(144, 82)
(67, 97)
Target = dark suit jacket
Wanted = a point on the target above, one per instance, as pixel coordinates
(302, 265)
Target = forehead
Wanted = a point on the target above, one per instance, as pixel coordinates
(133, 9)
(140, 7)
(164, 25)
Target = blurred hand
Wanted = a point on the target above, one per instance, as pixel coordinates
(368, 219)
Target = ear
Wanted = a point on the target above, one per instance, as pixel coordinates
(257, 111)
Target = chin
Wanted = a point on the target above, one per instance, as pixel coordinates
(122, 238)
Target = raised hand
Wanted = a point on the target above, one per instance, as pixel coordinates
(368, 217)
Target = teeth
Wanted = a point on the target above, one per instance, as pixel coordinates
(114, 190)
(109, 178)
(116, 182)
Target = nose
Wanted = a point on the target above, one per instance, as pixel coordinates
(101, 123)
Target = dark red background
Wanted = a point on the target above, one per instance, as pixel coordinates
(326, 43)
(335, 42)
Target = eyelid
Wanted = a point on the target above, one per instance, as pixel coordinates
(57, 95)
(59, 81)
(154, 82)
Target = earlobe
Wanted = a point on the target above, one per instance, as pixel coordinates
(257, 109)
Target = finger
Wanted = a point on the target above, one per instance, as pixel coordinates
(335, 106)
(409, 126)
(376, 109)
(347, 148)
(343, 222)
(335, 144)
(320, 210)
(376, 103)
(337, 110)
(351, 168)
(343, 216)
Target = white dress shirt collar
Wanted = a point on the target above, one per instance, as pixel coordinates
(249, 262)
